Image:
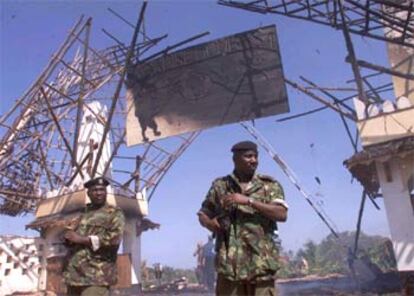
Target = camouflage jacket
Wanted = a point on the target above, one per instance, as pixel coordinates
(87, 267)
(245, 251)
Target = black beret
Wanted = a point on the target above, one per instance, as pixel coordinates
(244, 145)
(96, 181)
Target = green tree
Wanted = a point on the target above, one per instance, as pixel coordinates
(332, 255)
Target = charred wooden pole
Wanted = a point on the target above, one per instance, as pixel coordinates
(321, 100)
(82, 89)
(287, 171)
(338, 103)
(30, 94)
(169, 48)
(59, 128)
(351, 54)
(319, 12)
(47, 71)
(119, 86)
(359, 222)
(381, 69)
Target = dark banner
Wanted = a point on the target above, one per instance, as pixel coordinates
(227, 80)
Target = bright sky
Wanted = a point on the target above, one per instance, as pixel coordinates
(315, 145)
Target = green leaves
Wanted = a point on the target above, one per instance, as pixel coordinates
(333, 255)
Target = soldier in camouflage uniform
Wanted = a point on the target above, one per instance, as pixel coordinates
(93, 246)
(241, 209)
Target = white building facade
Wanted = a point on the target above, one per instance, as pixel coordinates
(21, 264)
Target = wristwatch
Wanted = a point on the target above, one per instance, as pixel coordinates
(250, 201)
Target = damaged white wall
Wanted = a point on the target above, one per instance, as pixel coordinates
(385, 123)
(396, 178)
(21, 268)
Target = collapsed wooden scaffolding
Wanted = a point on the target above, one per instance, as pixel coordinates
(39, 134)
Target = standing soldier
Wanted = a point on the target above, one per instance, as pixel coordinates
(241, 209)
(93, 246)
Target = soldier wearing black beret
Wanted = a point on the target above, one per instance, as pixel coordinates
(97, 181)
(242, 209)
(91, 267)
(243, 146)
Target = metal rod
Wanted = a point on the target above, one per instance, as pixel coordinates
(33, 89)
(381, 89)
(338, 102)
(76, 72)
(367, 4)
(48, 69)
(119, 86)
(82, 89)
(331, 20)
(287, 171)
(381, 69)
(407, 21)
(44, 162)
(351, 54)
(122, 45)
(394, 4)
(373, 90)
(95, 52)
(168, 48)
(55, 119)
(121, 17)
(8, 192)
(319, 99)
(77, 170)
(114, 151)
(359, 222)
(379, 15)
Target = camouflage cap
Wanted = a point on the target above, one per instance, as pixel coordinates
(243, 146)
(96, 181)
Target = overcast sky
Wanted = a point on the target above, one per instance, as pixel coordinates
(313, 146)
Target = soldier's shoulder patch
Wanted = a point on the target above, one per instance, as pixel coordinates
(266, 178)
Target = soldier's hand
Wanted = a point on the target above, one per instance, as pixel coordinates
(73, 237)
(211, 224)
(235, 198)
(215, 225)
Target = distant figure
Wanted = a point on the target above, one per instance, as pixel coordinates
(200, 261)
(208, 264)
(93, 245)
(303, 265)
(241, 210)
(144, 271)
(158, 270)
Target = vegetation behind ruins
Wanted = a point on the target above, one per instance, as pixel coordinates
(334, 255)
(330, 256)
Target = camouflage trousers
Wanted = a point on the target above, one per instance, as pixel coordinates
(226, 287)
(88, 291)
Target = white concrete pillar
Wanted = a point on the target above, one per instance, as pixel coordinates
(43, 275)
(395, 176)
(132, 245)
(90, 137)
